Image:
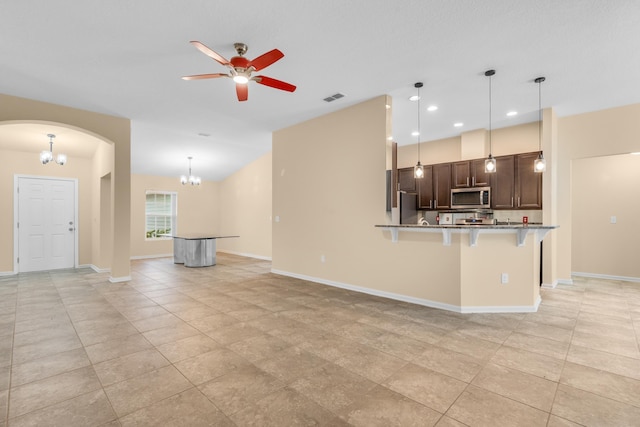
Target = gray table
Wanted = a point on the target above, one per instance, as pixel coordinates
(195, 250)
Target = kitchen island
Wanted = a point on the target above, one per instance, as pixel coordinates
(477, 268)
(196, 249)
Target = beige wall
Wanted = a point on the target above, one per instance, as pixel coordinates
(245, 210)
(504, 141)
(110, 129)
(329, 192)
(604, 187)
(596, 134)
(198, 211)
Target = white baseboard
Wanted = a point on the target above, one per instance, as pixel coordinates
(565, 282)
(413, 300)
(151, 256)
(98, 269)
(550, 285)
(7, 273)
(605, 276)
(244, 254)
(120, 279)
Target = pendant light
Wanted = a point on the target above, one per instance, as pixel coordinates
(418, 170)
(540, 164)
(191, 179)
(47, 156)
(490, 162)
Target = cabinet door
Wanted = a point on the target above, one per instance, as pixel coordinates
(461, 175)
(528, 183)
(502, 183)
(442, 185)
(479, 178)
(406, 181)
(425, 189)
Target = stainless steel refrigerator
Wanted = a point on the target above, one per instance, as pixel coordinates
(408, 205)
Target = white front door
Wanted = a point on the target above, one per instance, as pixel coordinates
(46, 224)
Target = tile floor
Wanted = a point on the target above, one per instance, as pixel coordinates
(237, 345)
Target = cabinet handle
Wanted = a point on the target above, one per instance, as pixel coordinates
(473, 181)
(518, 201)
(512, 202)
(467, 181)
(430, 204)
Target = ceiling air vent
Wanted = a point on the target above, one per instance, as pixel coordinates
(334, 97)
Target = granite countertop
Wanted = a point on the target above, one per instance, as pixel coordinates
(499, 226)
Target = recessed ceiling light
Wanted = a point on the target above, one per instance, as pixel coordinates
(415, 133)
(414, 98)
(512, 113)
(458, 125)
(636, 153)
(432, 108)
(387, 106)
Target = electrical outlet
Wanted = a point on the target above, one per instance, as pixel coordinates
(322, 258)
(504, 278)
(614, 219)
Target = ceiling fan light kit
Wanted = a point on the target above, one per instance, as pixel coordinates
(241, 69)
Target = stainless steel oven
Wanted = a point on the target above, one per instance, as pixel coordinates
(471, 198)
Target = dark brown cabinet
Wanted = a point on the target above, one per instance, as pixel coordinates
(469, 173)
(528, 184)
(425, 189)
(442, 186)
(515, 185)
(503, 183)
(406, 181)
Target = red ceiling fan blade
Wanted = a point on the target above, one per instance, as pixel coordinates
(264, 60)
(209, 52)
(278, 84)
(242, 90)
(204, 76)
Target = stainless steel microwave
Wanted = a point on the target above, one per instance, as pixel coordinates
(470, 198)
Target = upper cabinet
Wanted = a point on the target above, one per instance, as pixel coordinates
(469, 173)
(528, 184)
(442, 186)
(425, 189)
(515, 185)
(406, 181)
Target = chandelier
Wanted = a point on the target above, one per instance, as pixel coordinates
(191, 179)
(47, 156)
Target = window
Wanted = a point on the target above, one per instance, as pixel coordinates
(161, 214)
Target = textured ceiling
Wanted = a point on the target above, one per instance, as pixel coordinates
(125, 58)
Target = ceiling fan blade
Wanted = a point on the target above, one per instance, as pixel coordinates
(278, 84)
(242, 90)
(264, 60)
(204, 76)
(209, 52)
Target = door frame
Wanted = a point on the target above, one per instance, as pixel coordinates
(16, 217)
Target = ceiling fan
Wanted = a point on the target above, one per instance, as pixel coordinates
(240, 69)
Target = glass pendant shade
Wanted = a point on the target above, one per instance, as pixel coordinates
(490, 164)
(540, 164)
(46, 157)
(61, 159)
(418, 170)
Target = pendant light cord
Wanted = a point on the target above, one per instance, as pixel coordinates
(418, 124)
(490, 142)
(539, 80)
